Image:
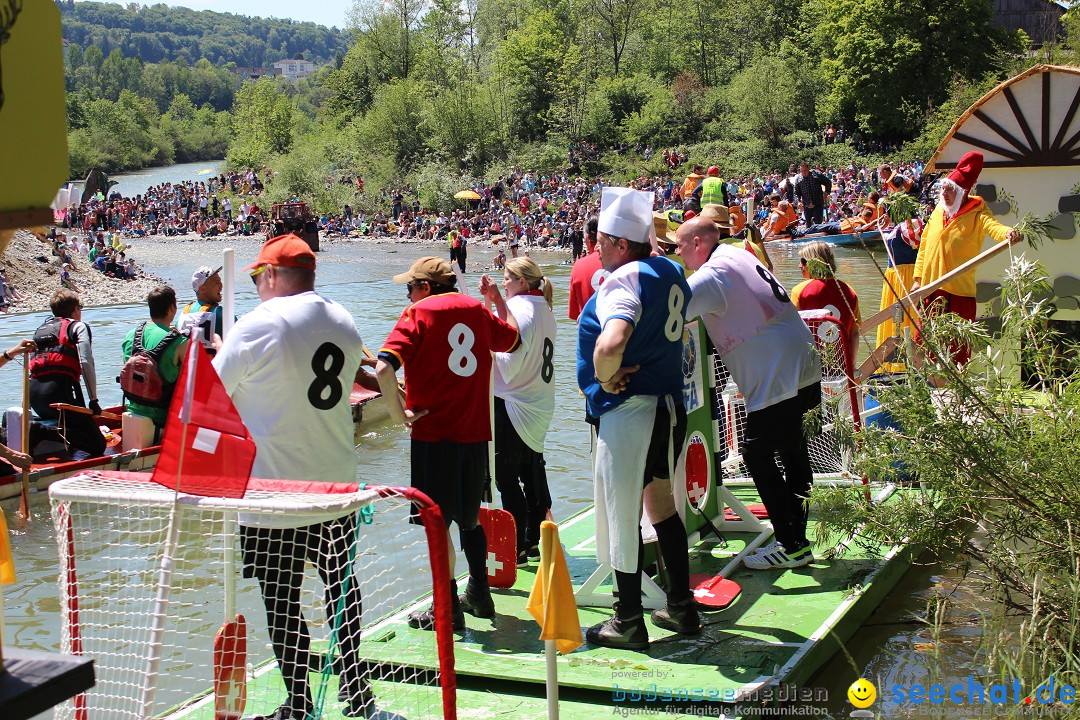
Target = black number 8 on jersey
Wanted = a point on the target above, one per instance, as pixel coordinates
(325, 390)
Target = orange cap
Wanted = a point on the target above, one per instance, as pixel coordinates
(285, 251)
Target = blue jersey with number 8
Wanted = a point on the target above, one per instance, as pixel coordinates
(652, 295)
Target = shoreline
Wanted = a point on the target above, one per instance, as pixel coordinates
(33, 269)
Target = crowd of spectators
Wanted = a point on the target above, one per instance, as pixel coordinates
(205, 208)
(519, 207)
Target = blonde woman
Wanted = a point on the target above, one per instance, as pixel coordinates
(525, 402)
(822, 291)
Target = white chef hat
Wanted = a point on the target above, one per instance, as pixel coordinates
(626, 213)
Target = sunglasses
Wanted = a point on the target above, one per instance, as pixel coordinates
(257, 272)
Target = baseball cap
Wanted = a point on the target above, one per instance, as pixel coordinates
(285, 251)
(202, 275)
(432, 269)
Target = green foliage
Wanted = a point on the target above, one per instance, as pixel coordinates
(992, 450)
(262, 123)
(887, 61)
(161, 32)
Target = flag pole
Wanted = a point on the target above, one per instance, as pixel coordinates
(228, 279)
(552, 680)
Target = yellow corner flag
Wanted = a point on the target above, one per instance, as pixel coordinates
(551, 601)
(7, 565)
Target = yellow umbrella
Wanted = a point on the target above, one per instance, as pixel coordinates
(467, 195)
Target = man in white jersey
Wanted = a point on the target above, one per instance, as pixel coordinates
(771, 356)
(289, 367)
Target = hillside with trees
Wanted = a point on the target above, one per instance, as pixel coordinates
(434, 90)
(155, 33)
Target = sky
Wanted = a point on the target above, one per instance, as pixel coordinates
(324, 12)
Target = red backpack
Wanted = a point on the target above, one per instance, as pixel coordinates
(141, 378)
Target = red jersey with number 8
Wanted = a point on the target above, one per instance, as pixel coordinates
(445, 344)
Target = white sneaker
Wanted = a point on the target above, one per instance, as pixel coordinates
(780, 559)
(771, 547)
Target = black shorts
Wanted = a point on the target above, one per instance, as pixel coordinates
(270, 551)
(454, 476)
(656, 461)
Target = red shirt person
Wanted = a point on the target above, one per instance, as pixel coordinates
(587, 273)
(444, 340)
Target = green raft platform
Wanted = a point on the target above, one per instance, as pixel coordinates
(761, 649)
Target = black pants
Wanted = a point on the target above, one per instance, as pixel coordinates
(275, 556)
(521, 479)
(774, 430)
(80, 431)
(814, 215)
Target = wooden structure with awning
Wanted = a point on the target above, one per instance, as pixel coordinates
(1028, 130)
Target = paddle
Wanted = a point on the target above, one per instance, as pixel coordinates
(914, 297)
(65, 407)
(230, 660)
(24, 503)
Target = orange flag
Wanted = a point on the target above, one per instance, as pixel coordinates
(7, 565)
(551, 601)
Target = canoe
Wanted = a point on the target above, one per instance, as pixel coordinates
(368, 410)
(843, 239)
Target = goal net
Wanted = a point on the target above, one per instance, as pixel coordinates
(150, 580)
(830, 455)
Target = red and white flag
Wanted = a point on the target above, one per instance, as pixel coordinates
(215, 454)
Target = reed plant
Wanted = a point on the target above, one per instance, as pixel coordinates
(989, 454)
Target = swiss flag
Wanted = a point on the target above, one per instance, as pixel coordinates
(206, 449)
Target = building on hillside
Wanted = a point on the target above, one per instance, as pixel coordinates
(1040, 19)
(294, 69)
(254, 73)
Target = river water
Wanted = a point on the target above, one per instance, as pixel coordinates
(357, 274)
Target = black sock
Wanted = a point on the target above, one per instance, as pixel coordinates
(474, 545)
(671, 538)
(629, 587)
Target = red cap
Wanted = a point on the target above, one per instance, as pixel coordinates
(285, 251)
(967, 170)
(713, 171)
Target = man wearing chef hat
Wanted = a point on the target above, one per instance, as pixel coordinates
(629, 368)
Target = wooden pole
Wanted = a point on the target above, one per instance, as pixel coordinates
(24, 504)
(914, 298)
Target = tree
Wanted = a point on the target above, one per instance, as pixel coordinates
(617, 19)
(387, 29)
(888, 60)
(262, 125)
(529, 60)
(762, 98)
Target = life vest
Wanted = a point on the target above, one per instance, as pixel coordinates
(204, 318)
(57, 350)
(141, 378)
(712, 192)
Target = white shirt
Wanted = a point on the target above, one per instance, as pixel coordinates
(755, 327)
(288, 366)
(525, 378)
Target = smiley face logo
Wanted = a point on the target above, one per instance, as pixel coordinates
(862, 693)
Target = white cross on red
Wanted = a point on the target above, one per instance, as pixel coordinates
(704, 592)
(696, 491)
(493, 564)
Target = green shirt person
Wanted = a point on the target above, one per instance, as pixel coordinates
(162, 304)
